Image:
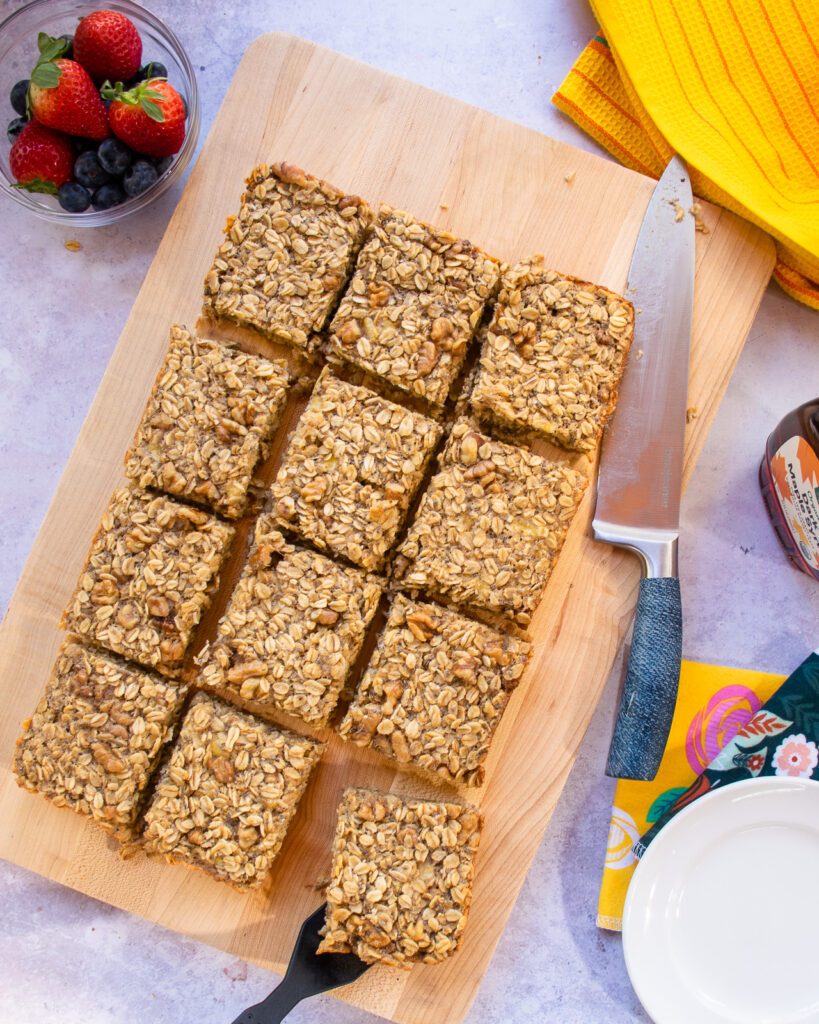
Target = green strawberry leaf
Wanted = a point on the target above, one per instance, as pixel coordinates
(153, 110)
(50, 48)
(37, 185)
(46, 75)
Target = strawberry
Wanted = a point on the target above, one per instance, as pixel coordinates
(107, 45)
(62, 96)
(41, 160)
(149, 118)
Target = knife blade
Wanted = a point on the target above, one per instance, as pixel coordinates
(640, 476)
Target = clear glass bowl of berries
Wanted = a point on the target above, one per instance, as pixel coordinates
(103, 109)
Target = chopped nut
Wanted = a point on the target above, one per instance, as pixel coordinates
(691, 413)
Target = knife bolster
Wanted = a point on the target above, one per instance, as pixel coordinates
(657, 549)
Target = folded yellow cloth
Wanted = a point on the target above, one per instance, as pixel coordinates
(733, 87)
(713, 705)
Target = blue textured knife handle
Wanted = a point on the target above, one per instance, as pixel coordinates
(652, 678)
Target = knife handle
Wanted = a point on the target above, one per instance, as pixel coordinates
(650, 690)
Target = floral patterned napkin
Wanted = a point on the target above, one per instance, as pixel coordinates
(780, 739)
(713, 704)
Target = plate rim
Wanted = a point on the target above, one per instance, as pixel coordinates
(632, 911)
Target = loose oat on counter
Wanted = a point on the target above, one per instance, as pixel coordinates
(225, 798)
(208, 423)
(287, 254)
(435, 690)
(353, 464)
(293, 629)
(150, 574)
(401, 878)
(413, 304)
(97, 735)
(553, 356)
(490, 526)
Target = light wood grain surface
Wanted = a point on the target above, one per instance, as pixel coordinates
(505, 188)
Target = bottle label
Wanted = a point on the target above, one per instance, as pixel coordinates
(795, 472)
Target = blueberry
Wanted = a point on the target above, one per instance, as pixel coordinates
(153, 69)
(114, 156)
(162, 164)
(89, 171)
(73, 197)
(107, 196)
(69, 40)
(139, 177)
(19, 92)
(15, 127)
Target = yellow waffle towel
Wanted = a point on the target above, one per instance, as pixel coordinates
(712, 706)
(730, 85)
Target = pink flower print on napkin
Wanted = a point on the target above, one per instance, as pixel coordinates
(796, 757)
(714, 726)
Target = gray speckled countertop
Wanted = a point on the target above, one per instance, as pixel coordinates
(63, 956)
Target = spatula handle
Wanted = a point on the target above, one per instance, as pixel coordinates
(275, 1007)
(652, 678)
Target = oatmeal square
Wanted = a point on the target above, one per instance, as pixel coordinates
(150, 575)
(293, 628)
(553, 356)
(491, 525)
(225, 798)
(352, 467)
(209, 421)
(286, 255)
(435, 690)
(96, 736)
(418, 856)
(413, 304)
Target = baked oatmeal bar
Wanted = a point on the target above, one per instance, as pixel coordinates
(401, 878)
(208, 422)
(490, 527)
(553, 356)
(413, 305)
(435, 690)
(293, 629)
(287, 254)
(150, 575)
(227, 794)
(354, 463)
(96, 736)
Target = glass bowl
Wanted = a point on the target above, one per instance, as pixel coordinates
(18, 54)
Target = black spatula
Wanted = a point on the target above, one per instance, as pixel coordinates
(307, 975)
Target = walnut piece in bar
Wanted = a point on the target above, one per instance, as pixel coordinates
(208, 423)
(149, 576)
(351, 469)
(435, 690)
(293, 628)
(413, 304)
(553, 356)
(490, 526)
(97, 735)
(401, 878)
(287, 254)
(226, 796)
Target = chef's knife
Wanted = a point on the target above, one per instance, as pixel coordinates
(639, 484)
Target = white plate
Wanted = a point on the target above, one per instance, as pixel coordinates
(721, 922)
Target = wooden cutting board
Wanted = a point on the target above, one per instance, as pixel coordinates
(514, 192)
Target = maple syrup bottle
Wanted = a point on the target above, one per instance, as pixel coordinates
(789, 478)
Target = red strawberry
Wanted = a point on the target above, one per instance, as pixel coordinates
(41, 160)
(107, 45)
(149, 118)
(62, 95)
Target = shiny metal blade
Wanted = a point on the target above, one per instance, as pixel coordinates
(640, 474)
